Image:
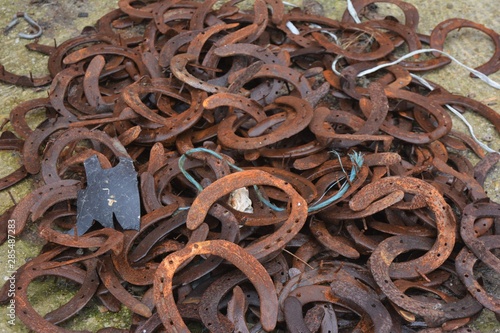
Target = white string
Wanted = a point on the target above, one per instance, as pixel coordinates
(293, 29)
(456, 113)
(480, 75)
(334, 65)
(329, 33)
(352, 12)
(471, 129)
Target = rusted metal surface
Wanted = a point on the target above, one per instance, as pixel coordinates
(208, 100)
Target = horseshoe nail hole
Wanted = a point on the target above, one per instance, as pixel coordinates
(171, 262)
(196, 246)
(466, 275)
(374, 306)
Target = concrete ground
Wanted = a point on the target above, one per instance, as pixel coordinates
(63, 19)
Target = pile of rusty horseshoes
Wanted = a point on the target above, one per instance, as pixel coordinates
(364, 215)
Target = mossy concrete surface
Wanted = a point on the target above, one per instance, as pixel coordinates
(63, 19)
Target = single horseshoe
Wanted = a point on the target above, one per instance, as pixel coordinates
(286, 74)
(8, 141)
(440, 31)
(23, 80)
(383, 257)
(273, 242)
(113, 284)
(124, 260)
(243, 35)
(196, 44)
(482, 168)
(444, 219)
(403, 33)
(476, 106)
(55, 62)
(298, 115)
(26, 313)
(50, 162)
(114, 19)
(169, 11)
(171, 126)
(90, 283)
(359, 297)
(24, 208)
(178, 65)
(255, 272)
(471, 213)
(409, 10)
(318, 276)
(18, 115)
(145, 12)
(59, 88)
(172, 46)
(213, 295)
(476, 190)
(104, 240)
(93, 50)
(464, 264)
(433, 107)
(198, 20)
(327, 136)
(326, 294)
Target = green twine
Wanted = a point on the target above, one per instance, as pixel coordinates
(356, 159)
